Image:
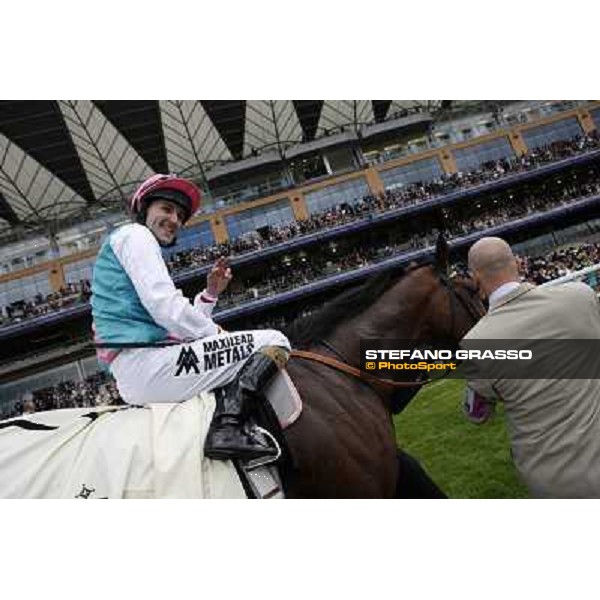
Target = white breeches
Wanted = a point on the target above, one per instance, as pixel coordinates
(176, 373)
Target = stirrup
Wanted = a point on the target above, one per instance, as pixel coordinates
(260, 462)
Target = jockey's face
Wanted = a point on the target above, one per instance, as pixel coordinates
(164, 219)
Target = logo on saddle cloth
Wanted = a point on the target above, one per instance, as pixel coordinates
(187, 360)
(85, 492)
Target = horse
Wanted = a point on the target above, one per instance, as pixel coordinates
(343, 444)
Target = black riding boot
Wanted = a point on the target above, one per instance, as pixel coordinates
(228, 436)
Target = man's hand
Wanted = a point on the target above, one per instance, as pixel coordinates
(219, 277)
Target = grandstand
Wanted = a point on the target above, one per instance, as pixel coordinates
(306, 197)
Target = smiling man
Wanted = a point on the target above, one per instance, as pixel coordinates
(164, 220)
(139, 316)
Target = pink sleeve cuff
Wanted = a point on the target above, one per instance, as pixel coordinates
(207, 298)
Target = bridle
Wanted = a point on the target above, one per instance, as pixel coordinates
(456, 300)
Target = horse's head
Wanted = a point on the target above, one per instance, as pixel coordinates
(435, 306)
(455, 306)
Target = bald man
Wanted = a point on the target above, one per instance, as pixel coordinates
(554, 424)
(494, 267)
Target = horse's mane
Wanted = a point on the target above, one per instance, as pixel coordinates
(315, 327)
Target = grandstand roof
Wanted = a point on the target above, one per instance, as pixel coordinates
(58, 158)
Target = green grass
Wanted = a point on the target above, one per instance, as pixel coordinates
(464, 459)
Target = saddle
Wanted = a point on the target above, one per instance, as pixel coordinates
(284, 398)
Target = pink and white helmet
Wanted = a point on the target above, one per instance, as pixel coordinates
(166, 187)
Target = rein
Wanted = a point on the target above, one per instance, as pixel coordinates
(350, 370)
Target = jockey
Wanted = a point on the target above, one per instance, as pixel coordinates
(139, 316)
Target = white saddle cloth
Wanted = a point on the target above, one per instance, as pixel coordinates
(147, 452)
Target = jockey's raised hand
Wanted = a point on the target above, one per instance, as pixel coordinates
(219, 277)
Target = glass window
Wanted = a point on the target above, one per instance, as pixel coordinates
(4, 294)
(472, 157)
(250, 189)
(12, 392)
(277, 213)
(24, 288)
(82, 269)
(424, 170)
(596, 117)
(566, 129)
(349, 191)
(197, 236)
(90, 366)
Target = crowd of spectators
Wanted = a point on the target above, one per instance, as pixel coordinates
(527, 205)
(300, 268)
(282, 276)
(100, 390)
(536, 269)
(39, 305)
(346, 212)
(559, 263)
(392, 198)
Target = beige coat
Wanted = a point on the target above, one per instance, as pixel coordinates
(554, 424)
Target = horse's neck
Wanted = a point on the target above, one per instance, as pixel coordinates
(400, 313)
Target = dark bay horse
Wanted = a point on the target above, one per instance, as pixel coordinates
(343, 445)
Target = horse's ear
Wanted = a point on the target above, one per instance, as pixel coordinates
(442, 254)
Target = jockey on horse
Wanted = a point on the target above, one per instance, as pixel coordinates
(139, 316)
